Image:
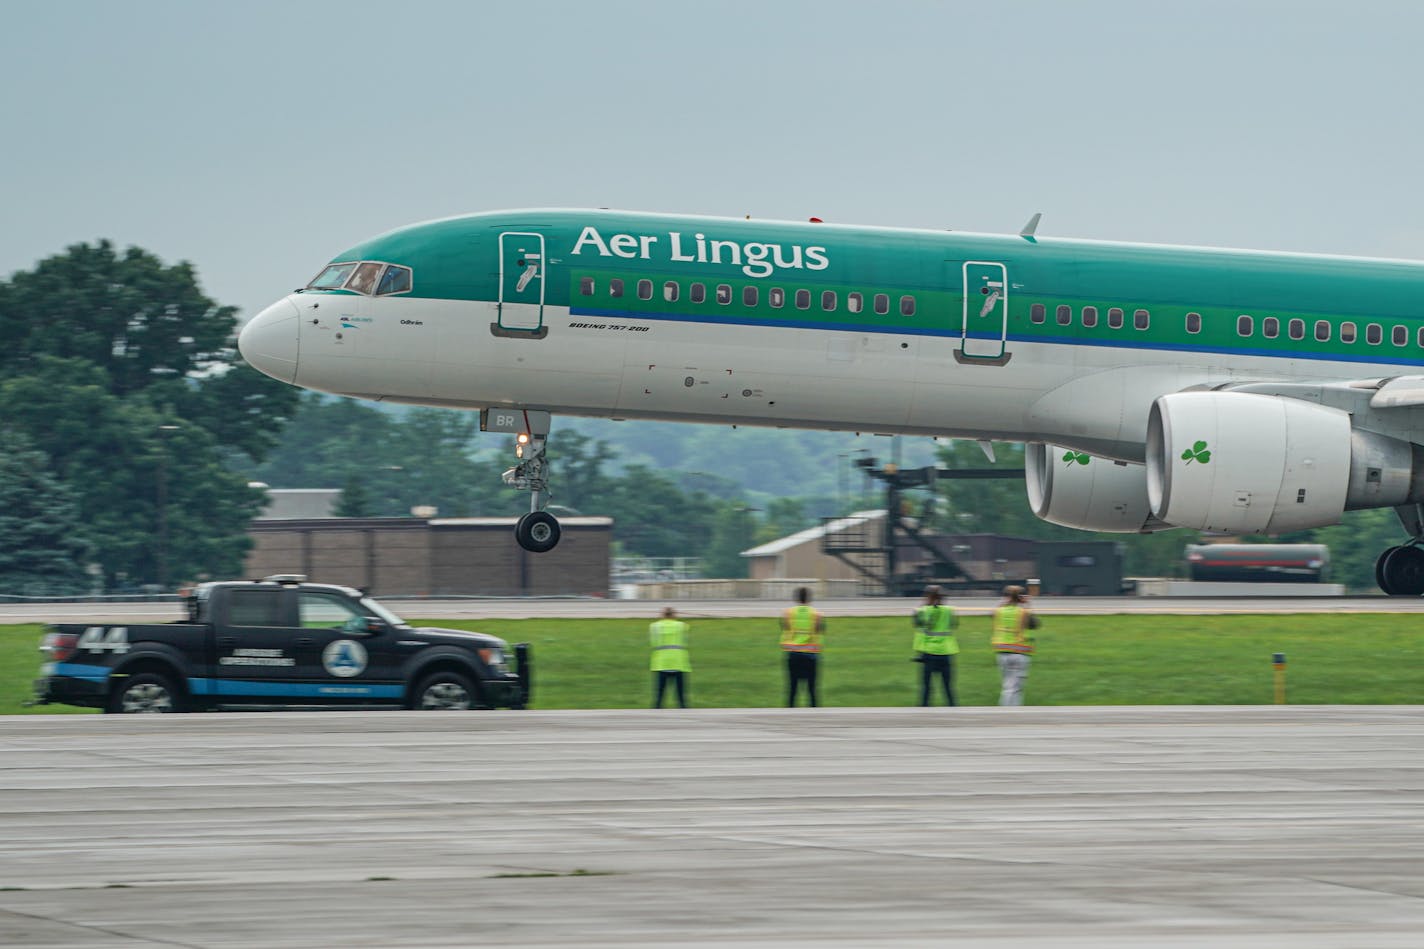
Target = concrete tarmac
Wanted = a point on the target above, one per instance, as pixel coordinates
(1107, 828)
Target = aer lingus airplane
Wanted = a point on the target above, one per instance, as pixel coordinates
(1155, 386)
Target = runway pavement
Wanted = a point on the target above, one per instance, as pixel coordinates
(543, 608)
(1044, 827)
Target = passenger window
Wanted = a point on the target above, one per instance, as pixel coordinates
(670, 291)
(907, 306)
(396, 280)
(1419, 338)
(1400, 336)
(615, 287)
(1141, 319)
(1193, 322)
(855, 302)
(586, 286)
(724, 294)
(697, 293)
(1296, 329)
(1373, 334)
(1270, 327)
(1090, 316)
(645, 289)
(1347, 333)
(254, 608)
(749, 296)
(1114, 318)
(1064, 315)
(803, 299)
(1244, 325)
(1037, 312)
(1322, 331)
(828, 300)
(777, 297)
(882, 303)
(327, 612)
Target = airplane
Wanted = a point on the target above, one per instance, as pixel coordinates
(1155, 386)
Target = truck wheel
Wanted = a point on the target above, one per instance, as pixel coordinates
(147, 692)
(444, 691)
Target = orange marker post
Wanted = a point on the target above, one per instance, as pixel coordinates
(1278, 660)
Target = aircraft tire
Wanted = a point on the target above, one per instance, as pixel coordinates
(1404, 571)
(537, 532)
(1380, 580)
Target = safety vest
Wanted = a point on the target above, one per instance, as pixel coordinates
(935, 635)
(1009, 623)
(669, 641)
(799, 633)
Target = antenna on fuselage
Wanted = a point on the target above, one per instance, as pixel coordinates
(1032, 225)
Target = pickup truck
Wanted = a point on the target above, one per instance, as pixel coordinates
(278, 641)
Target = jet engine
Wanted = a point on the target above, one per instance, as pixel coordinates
(1077, 490)
(1240, 462)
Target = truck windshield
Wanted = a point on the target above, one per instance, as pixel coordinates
(385, 614)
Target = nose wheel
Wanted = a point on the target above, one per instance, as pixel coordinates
(538, 531)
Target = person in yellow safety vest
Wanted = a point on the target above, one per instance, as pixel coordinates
(1012, 645)
(802, 629)
(671, 662)
(935, 645)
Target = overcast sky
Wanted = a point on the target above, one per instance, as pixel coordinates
(259, 139)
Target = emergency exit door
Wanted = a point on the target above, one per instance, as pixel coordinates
(521, 281)
(986, 310)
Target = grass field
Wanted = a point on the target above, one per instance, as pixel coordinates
(1081, 660)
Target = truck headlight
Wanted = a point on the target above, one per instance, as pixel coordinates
(494, 658)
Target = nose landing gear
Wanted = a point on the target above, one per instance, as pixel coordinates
(538, 531)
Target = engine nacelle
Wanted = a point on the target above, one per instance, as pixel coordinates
(1095, 494)
(1239, 462)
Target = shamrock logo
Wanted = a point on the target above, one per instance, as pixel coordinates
(1197, 452)
(1081, 457)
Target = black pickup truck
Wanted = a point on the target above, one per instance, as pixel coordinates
(279, 641)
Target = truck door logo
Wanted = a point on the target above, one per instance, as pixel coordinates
(344, 658)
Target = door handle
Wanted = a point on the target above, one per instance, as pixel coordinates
(227, 640)
(304, 641)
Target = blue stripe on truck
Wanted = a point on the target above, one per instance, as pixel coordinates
(306, 690)
(80, 670)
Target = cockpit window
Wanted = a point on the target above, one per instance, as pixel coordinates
(396, 280)
(332, 277)
(366, 276)
(364, 279)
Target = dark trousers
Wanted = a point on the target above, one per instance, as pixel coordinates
(801, 667)
(929, 667)
(661, 682)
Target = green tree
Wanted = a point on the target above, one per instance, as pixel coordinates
(355, 500)
(153, 490)
(43, 542)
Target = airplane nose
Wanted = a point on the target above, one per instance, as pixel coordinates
(269, 341)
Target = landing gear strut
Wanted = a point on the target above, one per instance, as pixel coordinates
(1399, 571)
(538, 531)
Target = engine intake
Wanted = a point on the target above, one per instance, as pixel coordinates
(1240, 462)
(1077, 490)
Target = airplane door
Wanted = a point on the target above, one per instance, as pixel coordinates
(521, 281)
(986, 310)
